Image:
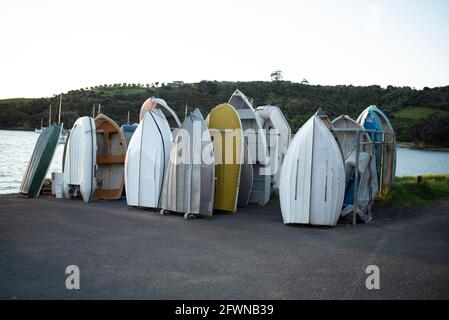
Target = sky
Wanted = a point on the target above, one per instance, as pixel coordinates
(51, 46)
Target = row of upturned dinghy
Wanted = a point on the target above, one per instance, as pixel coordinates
(236, 156)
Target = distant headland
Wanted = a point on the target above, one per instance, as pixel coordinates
(420, 117)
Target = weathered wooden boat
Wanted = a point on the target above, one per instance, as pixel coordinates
(110, 159)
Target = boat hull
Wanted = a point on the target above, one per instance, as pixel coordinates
(246, 179)
(372, 118)
(80, 160)
(312, 181)
(226, 131)
(278, 135)
(367, 184)
(110, 159)
(189, 179)
(256, 142)
(170, 115)
(128, 131)
(40, 161)
(147, 159)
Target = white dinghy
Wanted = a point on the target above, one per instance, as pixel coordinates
(312, 181)
(188, 185)
(80, 160)
(170, 115)
(257, 145)
(146, 160)
(278, 134)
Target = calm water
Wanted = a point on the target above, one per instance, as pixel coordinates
(16, 148)
(413, 162)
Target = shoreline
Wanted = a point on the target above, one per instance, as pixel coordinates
(410, 145)
(16, 129)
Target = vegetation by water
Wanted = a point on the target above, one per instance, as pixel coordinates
(419, 116)
(407, 192)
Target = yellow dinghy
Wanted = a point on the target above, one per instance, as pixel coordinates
(226, 131)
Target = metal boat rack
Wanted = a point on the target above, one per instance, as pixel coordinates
(359, 146)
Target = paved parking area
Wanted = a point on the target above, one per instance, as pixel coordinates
(126, 253)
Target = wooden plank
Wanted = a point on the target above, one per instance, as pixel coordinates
(117, 159)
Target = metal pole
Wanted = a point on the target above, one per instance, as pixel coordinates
(382, 151)
(356, 177)
(60, 104)
(393, 173)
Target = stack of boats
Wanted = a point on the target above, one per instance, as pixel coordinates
(237, 155)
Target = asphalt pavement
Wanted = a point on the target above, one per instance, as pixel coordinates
(128, 253)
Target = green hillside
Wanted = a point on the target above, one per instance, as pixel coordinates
(418, 113)
(15, 101)
(419, 116)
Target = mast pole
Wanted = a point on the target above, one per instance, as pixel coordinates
(60, 104)
(49, 116)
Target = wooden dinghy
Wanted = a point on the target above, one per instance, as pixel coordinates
(111, 152)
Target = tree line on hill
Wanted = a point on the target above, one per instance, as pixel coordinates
(298, 101)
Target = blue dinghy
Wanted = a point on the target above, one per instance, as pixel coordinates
(380, 128)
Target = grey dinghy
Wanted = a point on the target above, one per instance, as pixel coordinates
(256, 142)
(188, 185)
